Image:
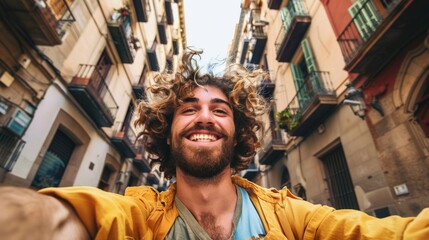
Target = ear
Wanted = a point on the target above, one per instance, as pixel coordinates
(169, 140)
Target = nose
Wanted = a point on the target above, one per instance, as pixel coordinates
(204, 117)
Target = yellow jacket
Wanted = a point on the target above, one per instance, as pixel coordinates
(144, 213)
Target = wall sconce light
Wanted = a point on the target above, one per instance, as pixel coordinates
(355, 99)
(39, 4)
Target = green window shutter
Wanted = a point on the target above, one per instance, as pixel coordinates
(316, 84)
(308, 55)
(286, 18)
(298, 7)
(301, 88)
(365, 16)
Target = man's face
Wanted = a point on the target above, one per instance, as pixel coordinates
(202, 133)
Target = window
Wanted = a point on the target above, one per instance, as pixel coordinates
(340, 184)
(365, 16)
(285, 182)
(105, 179)
(10, 148)
(422, 111)
(305, 76)
(54, 162)
(276, 134)
(290, 11)
(62, 13)
(126, 127)
(99, 78)
(132, 180)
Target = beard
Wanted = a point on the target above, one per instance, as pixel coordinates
(202, 163)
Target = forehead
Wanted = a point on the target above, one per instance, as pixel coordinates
(209, 93)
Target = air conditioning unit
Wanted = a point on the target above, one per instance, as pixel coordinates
(19, 122)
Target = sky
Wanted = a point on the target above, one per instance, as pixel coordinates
(210, 26)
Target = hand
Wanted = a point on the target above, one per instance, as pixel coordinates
(26, 214)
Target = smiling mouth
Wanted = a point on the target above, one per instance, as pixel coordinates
(203, 137)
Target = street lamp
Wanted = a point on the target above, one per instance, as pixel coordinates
(355, 99)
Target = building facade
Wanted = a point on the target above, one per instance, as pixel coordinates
(317, 53)
(72, 74)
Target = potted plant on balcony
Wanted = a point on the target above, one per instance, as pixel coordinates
(287, 120)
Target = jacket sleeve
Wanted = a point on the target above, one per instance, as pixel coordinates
(353, 224)
(313, 221)
(106, 215)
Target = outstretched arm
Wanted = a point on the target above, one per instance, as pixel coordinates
(27, 214)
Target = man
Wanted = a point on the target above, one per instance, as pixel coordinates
(201, 130)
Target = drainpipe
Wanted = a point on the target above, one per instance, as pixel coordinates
(123, 176)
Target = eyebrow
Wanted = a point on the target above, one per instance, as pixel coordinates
(214, 100)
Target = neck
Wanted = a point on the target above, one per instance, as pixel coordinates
(215, 197)
(194, 191)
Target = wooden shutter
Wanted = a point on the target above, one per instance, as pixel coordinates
(316, 84)
(297, 6)
(286, 18)
(365, 17)
(301, 89)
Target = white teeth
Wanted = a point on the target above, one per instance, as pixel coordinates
(202, 138)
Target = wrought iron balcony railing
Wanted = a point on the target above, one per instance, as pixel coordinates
(295, 22)
(91, 91)
(266, 88)
(365, 21)
(141, 9)
(274, 4)
(44, 21)
(10, 148)
(257, 44)
(379, 30)
(169, 12)
(120, 30)
(140, 161)
(124, 138)
(273, 146)
(311, 103)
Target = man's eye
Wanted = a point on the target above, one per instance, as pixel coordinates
(189, 110)
(220, 111)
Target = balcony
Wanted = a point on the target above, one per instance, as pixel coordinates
(45, 24)
(313, 102)
(176, 47)
(154, 177)
(244, 51)
(266, 88)
(274, 4)
(162, 32)
(251, 172)
(120, 30)
(123, 138)
(153, 58)
(140, 6)
(258, 42)
(295, 22)
(273, 147)
(140, 161)
(138, 89)
(368, 42)
(10, 148)
(90, 90)
(169, 12)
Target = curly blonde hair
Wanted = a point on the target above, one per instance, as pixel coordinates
(155, 113)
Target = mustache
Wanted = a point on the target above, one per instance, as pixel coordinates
(201, 127)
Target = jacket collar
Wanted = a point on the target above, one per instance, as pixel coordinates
(269, 195)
